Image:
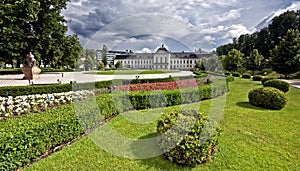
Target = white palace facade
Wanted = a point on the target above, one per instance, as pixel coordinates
(162, 59)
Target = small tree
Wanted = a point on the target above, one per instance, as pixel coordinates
(233, 60)
(101, 65)
(119, 65)
(285, 57)
(253, 62)
(199, 66)
(104, 52)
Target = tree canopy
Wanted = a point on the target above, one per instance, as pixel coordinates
(265, 39)
(39, 27)
(285, 57)
(233, 60)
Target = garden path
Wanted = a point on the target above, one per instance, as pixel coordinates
(79, 77)
(294, 83)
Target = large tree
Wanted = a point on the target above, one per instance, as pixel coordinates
(285, 57)
(37, 26)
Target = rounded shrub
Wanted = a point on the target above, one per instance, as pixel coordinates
(227, 73)
(267, 97)
(187, 137)
(229, 78)
(236, 74)
(265, 79)
(279, 84)
(257, 78)
(247, 76)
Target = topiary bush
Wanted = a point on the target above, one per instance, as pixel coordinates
(247, 76)
(267, 97)
(236, 74)
(265, 79)
(279, 84)
(187, 137)
(257, 78)
(227, 73)
(229, 78)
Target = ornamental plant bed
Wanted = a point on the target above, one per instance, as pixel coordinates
(159, 86)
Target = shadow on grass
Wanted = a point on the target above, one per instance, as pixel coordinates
(249, 106)
(151, 149)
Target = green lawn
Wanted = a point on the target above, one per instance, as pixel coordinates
(252, 139)
(132, 72)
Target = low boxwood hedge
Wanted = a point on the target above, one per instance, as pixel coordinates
(265, 79)
(236, 74)
(267, 97)
(187, 137)
(247, 76)
(257, 78)
(55, 88)
(229, 78)
(24, 139)
(279, 84)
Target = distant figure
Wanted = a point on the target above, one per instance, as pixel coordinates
(62, 74)
(59, 82)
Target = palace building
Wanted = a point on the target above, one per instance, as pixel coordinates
(162, 59)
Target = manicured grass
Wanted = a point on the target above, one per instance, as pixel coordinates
(132, 72)
(253, 138)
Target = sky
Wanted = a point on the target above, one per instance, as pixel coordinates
(181, 25)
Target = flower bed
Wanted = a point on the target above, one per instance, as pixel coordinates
(158, 86)
(11, 106)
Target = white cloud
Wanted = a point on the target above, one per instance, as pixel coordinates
(193, 22)
(236, 30)
(231, 15)
(144, 50)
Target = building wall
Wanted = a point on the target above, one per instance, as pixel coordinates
(161, 61)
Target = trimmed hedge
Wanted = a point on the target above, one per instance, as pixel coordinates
(236, 74)
(265, 79)
(229, 78)
(267, 97)
(247, 76)
(257, 78)
(56, 88)
(24, 139)
(279, 84)
(183, 139)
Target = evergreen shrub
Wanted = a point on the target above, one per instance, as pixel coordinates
(236, 74)
(257, 78)
(279, 84)
(187, 137)
(267, 97)
(265, 79)
(247, 76)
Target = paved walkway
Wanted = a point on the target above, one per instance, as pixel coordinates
(293, 83)
(66, 77)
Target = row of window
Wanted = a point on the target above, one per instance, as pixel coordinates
(159, 66)
(150, 62)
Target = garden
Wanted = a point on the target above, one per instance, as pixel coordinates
(40, 130)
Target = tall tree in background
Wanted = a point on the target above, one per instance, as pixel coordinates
(37, 26)
(104, 52)
(253, 62)
(281, 24)
(285, 57)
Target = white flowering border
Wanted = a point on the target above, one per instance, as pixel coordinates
(12, 106)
